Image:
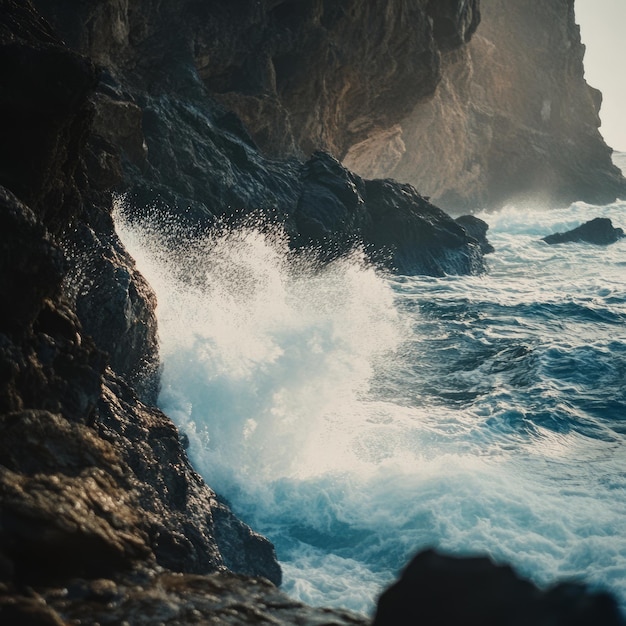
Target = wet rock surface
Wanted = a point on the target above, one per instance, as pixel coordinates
(172, 599)
(92, 481)
(476, 228)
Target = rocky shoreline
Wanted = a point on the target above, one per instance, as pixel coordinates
(102, 517)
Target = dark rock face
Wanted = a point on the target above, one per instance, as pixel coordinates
(447, 591)
(398, 227)
(512, 120)
(302, 75)
(316, 75)
(171, 599)
(202, 164)
(599, 231)
(92, 481)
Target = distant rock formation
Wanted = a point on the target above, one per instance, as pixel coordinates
(599, 231)
(512, 119)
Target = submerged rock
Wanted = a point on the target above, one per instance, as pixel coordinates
(599, 231)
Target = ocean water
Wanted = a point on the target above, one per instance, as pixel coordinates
(355, 417)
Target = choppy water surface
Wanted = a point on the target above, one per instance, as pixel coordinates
(355, 417)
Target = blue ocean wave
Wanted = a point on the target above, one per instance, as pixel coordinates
(355, 417)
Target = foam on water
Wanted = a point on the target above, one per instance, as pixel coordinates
(355, 417)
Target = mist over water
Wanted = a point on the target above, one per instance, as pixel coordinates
(355, 417)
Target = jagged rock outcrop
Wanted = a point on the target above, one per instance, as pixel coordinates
(201, 161)
(512, 120)
(398, 227)
(599, 231)
(303, 75)
(322, 75)
(92, 481)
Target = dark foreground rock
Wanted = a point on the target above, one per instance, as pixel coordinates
(447, 591)
(163, 118)
(434, 589)
(599, 231)
(168, 599)
(93, 481)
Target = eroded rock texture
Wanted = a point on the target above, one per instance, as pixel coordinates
(169, 599)
(512, 120)
(101, 516)
(302, 75)
(92, 481)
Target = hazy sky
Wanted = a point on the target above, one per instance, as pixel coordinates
(603, 31)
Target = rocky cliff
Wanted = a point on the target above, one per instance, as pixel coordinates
(512, 119)
(92, 480)
(101, 515)
(195, 99)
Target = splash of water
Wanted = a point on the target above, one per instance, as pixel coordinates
(265, 351)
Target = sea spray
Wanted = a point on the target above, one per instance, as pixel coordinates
(265, 350)
(354, 417)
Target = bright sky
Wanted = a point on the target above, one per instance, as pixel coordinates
(603, 31)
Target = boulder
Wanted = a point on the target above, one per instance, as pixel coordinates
(445, 590)
(599, 231)
(399, 228)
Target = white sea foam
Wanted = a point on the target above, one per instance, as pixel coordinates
(355, 418)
